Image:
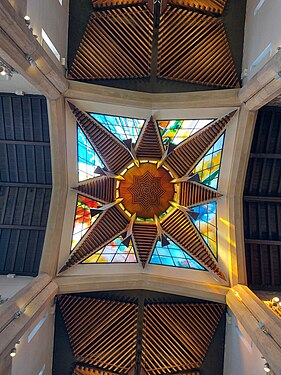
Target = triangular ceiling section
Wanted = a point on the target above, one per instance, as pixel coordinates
(149, 144)
(87, 157)
(111, 150)
(83, 218)
(190, 240)
(172, 255)
(122, 127)
(206, 223)
(194, 193)
(144, 236)
(185, 155)
(100, 188)
(208, 168)
(114, 252)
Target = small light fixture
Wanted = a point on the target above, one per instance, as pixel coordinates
(27, 20)
(266, 367)
(30, 60)
(13, 352)
(19, 313)
(2, 71)
(275, 300)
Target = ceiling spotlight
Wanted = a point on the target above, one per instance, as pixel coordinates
(2, 71)
(30, 60)
(266, 367)
(13, 352)
(275, 300)
(27, 20)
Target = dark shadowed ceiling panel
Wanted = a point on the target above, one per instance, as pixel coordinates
(201, 52)
(25, 182)
(262, 203)
(117, 44)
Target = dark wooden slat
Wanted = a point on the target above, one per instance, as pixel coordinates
(117, 43)
(149, 144)
(185, 156)
(112, 152)
(179, 228)
(201, 54)
(100, 188)
(106, 228)
(144, 237)
(192, 194)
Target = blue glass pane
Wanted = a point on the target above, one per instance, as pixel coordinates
(176, 131)
(87, 157)
(206, 223)
(173, 255)
(208, 168)
(122, 127)
(114, 252)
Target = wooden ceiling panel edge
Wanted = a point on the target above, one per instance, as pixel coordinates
(182, 287)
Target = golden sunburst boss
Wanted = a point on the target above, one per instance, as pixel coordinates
(146, 190)
(136, 183)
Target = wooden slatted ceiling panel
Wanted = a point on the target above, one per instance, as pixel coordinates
(100, 188)
(262, 203)
(192, 194)
(212, 6)
(112, 3)
(113, 152)
(179, 334)
(102, 333)
(149, 144)
(106, 228)
(25, 182)
(117, 44)
(179, 228)
(201, 53)
(144, 236)
(183, 158)
(84, 370)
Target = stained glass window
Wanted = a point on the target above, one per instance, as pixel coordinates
(206, 224)
(83, 218)
(122, 127)
(208, 167)
(88, 159)
(114, 252)
(173, 255)
(176, 131)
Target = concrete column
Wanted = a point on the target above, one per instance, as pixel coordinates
(57, 125)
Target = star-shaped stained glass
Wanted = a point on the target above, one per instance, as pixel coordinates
(147, 193)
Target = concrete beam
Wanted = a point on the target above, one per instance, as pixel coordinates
(17, 42)
(262, 325)
(20, 312)
(202, 99)
(79, 284)
(264, 86)
(243, 141)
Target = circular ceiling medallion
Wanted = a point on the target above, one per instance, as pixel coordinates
(146, 190)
